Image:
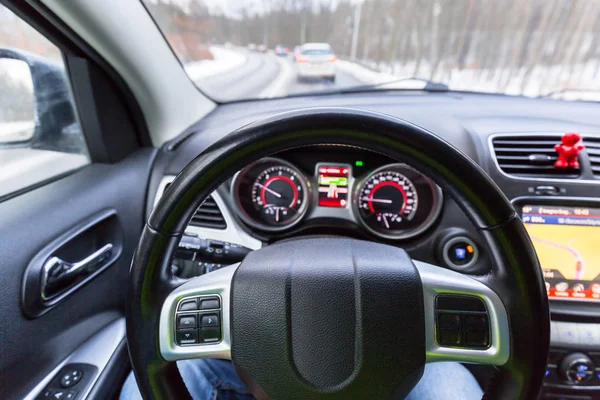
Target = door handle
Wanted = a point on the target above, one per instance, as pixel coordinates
(59, 275)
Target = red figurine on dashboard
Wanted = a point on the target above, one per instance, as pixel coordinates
(568, 150)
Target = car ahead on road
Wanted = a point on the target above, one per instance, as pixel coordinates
(281, 50)
(316, 60)
(262, 48)
(251, 47)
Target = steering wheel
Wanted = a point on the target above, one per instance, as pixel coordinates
(337, 317)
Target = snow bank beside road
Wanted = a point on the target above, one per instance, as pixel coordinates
(224, 60)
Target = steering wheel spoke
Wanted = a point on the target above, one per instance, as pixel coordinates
(465, 320)
(194, 320)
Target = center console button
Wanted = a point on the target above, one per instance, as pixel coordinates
(568, 333)
(589, 334)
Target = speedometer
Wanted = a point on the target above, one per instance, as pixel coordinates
(397, 202)
(271, 194)
(388, 198)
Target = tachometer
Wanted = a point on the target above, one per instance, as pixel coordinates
(271, 194)
(396, 202)
(278, 194)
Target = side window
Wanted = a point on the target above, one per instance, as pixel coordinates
(40, 136)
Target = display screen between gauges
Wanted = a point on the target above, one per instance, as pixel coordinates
(333, 185)
(278, 194)
(397, 202)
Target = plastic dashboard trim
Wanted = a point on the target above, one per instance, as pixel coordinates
(233, 233)
(494, 159)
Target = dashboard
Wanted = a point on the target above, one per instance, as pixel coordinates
(334, 190)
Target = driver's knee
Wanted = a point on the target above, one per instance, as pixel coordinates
(204, 379)
(446, 381)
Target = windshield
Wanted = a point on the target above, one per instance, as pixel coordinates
(243, 49)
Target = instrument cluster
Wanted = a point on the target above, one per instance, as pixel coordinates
(392, 201)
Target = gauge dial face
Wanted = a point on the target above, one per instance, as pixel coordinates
(271, 194)
(387, 199)
(278, 194)
(395, 202)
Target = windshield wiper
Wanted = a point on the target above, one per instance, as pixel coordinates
(430, 86)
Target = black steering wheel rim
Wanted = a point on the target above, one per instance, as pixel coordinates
(515, 275)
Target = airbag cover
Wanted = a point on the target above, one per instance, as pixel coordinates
(334, 318)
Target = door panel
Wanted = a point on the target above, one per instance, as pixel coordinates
(71, 261)
(31, 347)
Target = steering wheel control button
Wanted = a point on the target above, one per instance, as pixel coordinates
(462, 321)
(208, 335)
(449, 338)
(210, 304)
(460, 253)
(194, 328)
(187, 336)
(476, 323)
(188, 305)
(477, 339)
(210, 320)
(70, 378)
(460, 303)
(186, 322)
(450, 321)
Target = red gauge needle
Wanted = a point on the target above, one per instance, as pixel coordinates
(274, 193)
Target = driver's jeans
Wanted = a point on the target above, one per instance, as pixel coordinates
(210, 379)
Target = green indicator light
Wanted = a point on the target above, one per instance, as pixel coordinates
(358, 163)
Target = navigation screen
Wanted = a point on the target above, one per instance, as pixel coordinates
(567, 242)
(333, 185)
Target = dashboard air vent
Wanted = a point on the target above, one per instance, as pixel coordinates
(530, 156)
(208, 215)
(592, 146)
